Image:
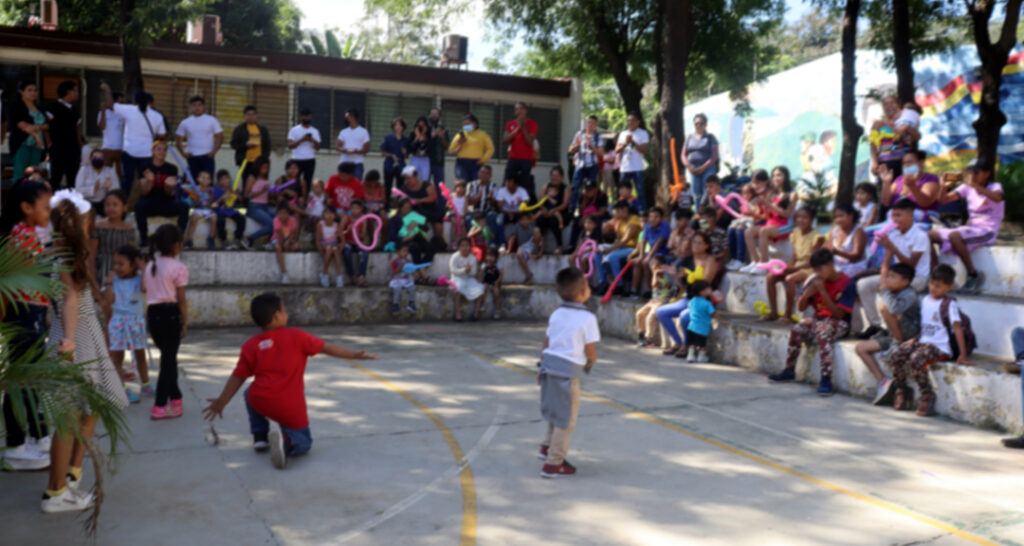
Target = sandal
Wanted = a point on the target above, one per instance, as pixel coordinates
(901, 399)
(529, 279)
(926, 407)
(672, 350)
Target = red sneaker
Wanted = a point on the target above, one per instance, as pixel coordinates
(560, 471)
(175, 409)
(543, 453)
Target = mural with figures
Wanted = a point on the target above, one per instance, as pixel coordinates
(794, 117)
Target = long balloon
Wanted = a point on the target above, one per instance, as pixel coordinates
(376, 232)
(458, 217)
(591, 246)
(678, 186)
(775, 267)
(411, 268)
(724, 203)
(524, 208)
(608, 295)
(402, 194)
(184, 167)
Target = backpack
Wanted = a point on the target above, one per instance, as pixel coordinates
(965, 322)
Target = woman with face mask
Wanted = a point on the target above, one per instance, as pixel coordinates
(96, 180)
(914, 184)
(472, 148)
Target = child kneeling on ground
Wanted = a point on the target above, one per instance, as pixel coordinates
(570, 349)
(832, 294)
(932, 345)
(898, 305)
(277, 358)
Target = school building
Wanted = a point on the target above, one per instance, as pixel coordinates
(279, 84)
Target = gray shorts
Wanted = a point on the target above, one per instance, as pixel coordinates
(884, 340)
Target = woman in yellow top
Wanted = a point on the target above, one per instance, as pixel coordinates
(805, 240)
(472, 148)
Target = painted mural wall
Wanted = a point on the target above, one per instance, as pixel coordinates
(795, 118)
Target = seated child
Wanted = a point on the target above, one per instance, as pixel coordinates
(653, 242)
(375, 196)
(832, 294)
(985, 210)
(701, 312)
(402, 282)
(462, 267)
(361, 234)
(519, 240)
(591, 232)
(866, 202)
(805, 240)
(647, 326)
(479, 234)
(126, 328)
(225, 199)
(201, 201)
(570, 349)
(277, 359)
(490, 276)
(329, 246)
(754, 216)
(285, 238)
(317, 201)
(898, 305)
(625, 195)
(457, 210)
(916, 354)
(719, 238)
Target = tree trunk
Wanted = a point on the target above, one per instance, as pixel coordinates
(852, 131)
(676, 41)
(611, 44)
(131, 60)
(902, 55)
(993, 59)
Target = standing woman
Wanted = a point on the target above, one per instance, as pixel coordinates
(700, 155)
(472, 148)
(419, 148)
(395, 149)
(29, 132)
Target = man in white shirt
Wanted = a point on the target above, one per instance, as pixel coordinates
(632, 145)
(304, 142)
(204, 136)
(142, 125)
(353, 142)
(112, 126)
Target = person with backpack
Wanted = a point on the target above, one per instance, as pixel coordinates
(945, 334)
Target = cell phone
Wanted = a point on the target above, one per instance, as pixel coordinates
(954, 177)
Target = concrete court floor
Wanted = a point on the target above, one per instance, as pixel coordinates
(668, 453)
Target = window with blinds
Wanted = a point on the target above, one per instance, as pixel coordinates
(230, 99)
(319, 103)
(271, 103)
(185, 89)
(548, 133)
(451, 114)
(343, 100)
(380, 111)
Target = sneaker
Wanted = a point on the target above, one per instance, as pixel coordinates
(211, 244)
(72, 483)
(926, 407)
(560, 471)
(882, 392)
(757, 270)
(788, 374)
(869, 332)
(733, 265)
(42, 445)
(260, 442)
(325, 281)
(749, 268)
(339, 281)
(641, 343)
(972, 285)
(130, 376)
(245, 243)
(147, 389)
(702, 356)
(277, 455)
(411, 307)
(159, 412)
(691, 355)
(901, 399)
(825, 387)
(543, 453)
(231, 246)
(25, 457)
(395, 309)
(270, 247)
(133, 397)
(1014, 443)
(68, 501)
(174, 409)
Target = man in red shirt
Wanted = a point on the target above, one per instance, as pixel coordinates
(277, 359)
(520, 133)
(343, 187)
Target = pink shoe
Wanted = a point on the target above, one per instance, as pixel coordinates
(175, 409)
(158, 413)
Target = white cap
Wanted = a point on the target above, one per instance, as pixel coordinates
(409, 170)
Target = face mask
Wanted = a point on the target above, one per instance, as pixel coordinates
(911, 170)
(307, 121)
(467, 128)
(98, 163)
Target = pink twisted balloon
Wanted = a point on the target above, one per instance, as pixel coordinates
(775, 267)
(724, 203)
(458, 217)
(588, 248)
(376, 232)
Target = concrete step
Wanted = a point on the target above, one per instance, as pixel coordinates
(1002, 267)
(992, 317)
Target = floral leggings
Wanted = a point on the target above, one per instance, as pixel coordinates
(915, 358)
(821, 329)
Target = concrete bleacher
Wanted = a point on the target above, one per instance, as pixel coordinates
(223, 283)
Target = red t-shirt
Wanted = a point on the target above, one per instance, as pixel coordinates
(518, 148)
(843, 291)
(277, 359)
(342, 193)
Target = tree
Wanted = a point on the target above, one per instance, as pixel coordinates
(673, 46)
(852, 131)
(259, 24)
(993, 59)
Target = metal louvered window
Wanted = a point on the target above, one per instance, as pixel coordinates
(229, 102)
(272, 105)
(380, 111)
(343, 100)
(318, 101)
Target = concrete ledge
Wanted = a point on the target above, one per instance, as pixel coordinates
(1002, 266)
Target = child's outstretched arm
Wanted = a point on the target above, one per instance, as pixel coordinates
(218, 404)
(338, 351)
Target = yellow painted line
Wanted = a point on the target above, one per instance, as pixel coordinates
(761, 460)
(468, 535)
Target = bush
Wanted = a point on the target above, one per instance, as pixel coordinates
(1011, 175)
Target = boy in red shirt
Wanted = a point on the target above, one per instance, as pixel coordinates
(344, 187)
(277, 358)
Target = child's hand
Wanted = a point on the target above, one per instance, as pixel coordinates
(110, 278)
(67, 347)
(587, 367)
(213, 410)
(363, 355)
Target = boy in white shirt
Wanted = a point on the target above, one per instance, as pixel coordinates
(204, 136)
(353, 142)
(932, 345)
(304, 141)
(569, 350)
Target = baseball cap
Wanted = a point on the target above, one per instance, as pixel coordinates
(409, 170)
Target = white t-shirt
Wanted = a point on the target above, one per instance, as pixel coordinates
(353, 139)
(199, 131)
(865, 212)
(914, 240)
(113, 133)
(569, 331)
(305, 150)
(932, 330)
(138, 140)
(85, 182)
(509, 202)
(633, 160)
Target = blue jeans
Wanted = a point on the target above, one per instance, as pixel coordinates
(666, 313)
(589, 173)
(496, 221)
(359, 171)
(437, 174)
(737, 244)
(264, 216)
(637, 179)
(465, 169)
(698, 182)
(131, 168)
(299, 440)
(615, 258)
(200, 163)
(364, 260)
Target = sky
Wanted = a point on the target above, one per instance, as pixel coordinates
(471, 24)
